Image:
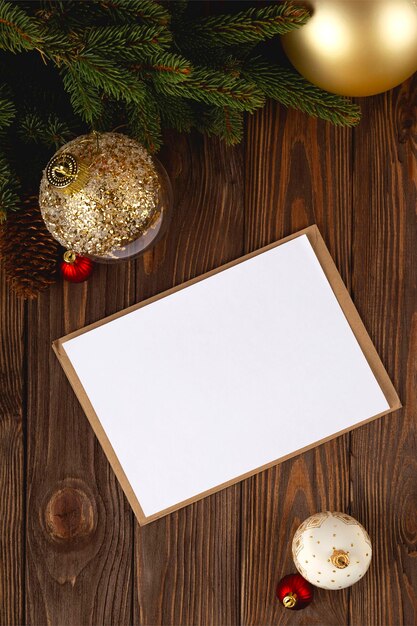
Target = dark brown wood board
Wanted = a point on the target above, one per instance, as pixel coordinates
(12, 454)
(76, 556)
(79, 526)
(384, 283)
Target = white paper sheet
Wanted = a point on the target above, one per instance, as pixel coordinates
(226, 375)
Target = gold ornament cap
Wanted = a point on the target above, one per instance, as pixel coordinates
(340, 559)
(62, 170)
(290, 600)
(67, 173)
(69, 257)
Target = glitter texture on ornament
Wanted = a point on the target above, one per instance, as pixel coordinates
(119, 202)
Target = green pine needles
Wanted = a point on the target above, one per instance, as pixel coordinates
(67, 66)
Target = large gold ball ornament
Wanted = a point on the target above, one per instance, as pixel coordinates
(356, 47)
(104, 196)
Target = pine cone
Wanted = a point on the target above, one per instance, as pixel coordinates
(28, 252)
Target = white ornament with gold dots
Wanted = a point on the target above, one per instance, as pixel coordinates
(332, 550)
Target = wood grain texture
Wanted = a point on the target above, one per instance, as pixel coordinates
(296, 173)
(384, 280)
(188, 564)
(80, 528)
(11, 457)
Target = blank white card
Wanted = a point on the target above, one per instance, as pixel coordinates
(225, 376)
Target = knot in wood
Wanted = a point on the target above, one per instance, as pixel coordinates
(69, 514)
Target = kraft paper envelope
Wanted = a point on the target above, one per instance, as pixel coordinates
(226, 375)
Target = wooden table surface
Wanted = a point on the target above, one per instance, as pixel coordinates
(70, 549)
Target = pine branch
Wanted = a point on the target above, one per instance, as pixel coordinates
(9, 199)
(227, 59)
(147, 11)
(129, 42)
(7, 108)
(51, 132)
(176, 113)
(18, 31)
(72, 15)
(31, 127)
(9, 187)
(56, 132)
(216, 88)
(166, 67)
(85, 98)
(292, 90)
(145, 122)
(101, 73)
(57, 44)
(250, 26)
(65, 16)
(225, 123)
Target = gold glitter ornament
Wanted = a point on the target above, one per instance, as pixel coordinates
(115, 207)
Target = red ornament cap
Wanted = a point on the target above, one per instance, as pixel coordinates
(75, 268)
(294, 592)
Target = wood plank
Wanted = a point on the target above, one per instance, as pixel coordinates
(383, 454)
(11, 457)
(80, 527)
(188, 564)
(297, 172)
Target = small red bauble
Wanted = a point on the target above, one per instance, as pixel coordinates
(294, 592)
(75, 268)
